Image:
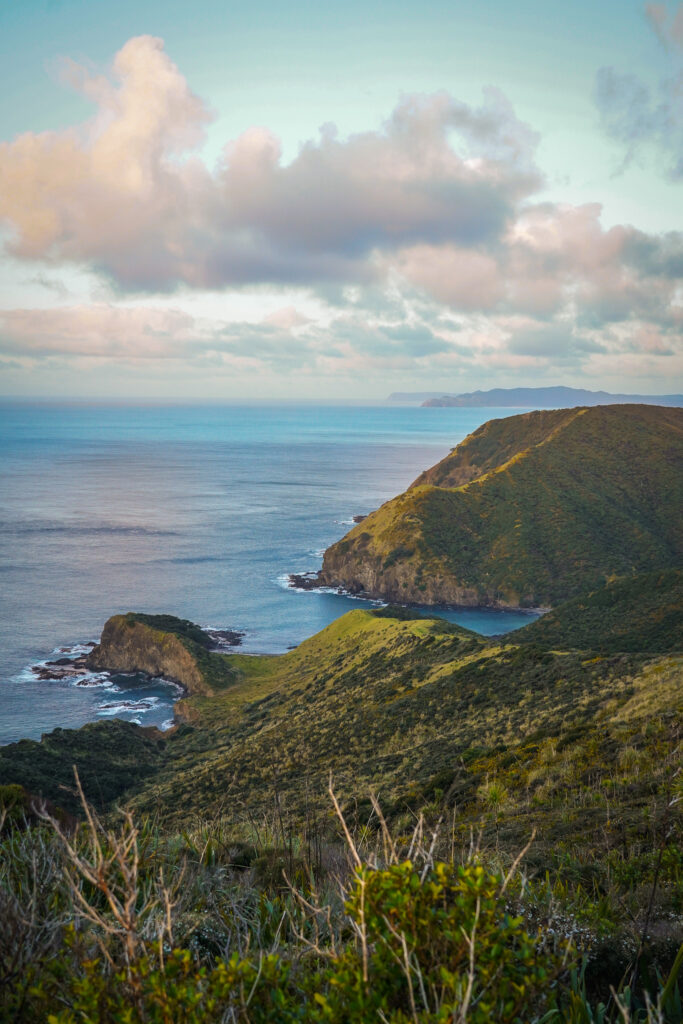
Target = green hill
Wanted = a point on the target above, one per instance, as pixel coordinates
(636, 613)
(472, 747)
(530, 510)
(413, 708)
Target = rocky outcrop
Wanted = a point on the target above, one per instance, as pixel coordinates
(128, 645)
(407, 583)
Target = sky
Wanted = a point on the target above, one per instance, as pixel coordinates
(332, 201)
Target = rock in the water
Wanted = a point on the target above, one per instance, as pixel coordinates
(304, 581)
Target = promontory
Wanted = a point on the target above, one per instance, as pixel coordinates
(527, 511)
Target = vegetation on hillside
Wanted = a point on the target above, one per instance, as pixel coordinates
(502, 839)
(529, 510)
(161, 645)
(643, 612)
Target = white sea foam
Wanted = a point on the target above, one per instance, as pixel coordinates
(94, 680)
(284, 581)
(114, 708)
(167, 724)
(70, 651)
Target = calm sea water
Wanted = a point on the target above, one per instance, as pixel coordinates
(197, 511)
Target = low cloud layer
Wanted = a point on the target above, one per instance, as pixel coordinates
(412, 339)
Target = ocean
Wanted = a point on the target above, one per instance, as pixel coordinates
(200, 511)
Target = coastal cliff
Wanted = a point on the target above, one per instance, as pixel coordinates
(161, 645)
(527, 511)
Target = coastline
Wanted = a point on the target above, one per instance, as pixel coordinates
(310, 581)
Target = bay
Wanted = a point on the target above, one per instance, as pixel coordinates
(199, 511)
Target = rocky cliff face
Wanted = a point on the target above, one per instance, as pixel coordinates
(408, 582)
(128, 645)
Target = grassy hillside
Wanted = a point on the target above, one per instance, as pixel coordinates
(531, 510)
(236, 895)
(419, 710)
(423, 712)
(636, 613)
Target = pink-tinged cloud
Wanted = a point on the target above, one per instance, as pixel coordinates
(98, 331)
(668, 26)
(436, 208)
(352, 344)
(556, 260)
(125, 195)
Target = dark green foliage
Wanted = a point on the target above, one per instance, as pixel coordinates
(531, 510)
(175, 990)
(112, 758)
(398, 612)
(635, 613)
(170, 624)
(214, 667)
(435, 944)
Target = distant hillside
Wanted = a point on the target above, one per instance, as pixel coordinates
(545, 398)
(635, 613)
(528, 510)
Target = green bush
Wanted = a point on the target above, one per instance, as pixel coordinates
(437, 946)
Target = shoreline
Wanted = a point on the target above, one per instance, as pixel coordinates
(67, 664)
(308, 581)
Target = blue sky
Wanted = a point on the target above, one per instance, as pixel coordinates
(444, 236)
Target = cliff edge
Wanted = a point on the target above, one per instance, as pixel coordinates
(162, 645)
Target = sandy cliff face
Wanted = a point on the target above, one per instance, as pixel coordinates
(130, 646)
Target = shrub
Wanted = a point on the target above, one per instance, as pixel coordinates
(440, 945)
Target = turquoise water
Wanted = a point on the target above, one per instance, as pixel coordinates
(199, 511)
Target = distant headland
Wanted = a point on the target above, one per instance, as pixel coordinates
(525, 398)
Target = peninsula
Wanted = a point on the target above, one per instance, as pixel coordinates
(536, 398)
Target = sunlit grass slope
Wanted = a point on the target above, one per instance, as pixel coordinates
(425, 714)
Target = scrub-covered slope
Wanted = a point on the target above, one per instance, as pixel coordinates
(417, 710)
(529, 510)
(634, 613)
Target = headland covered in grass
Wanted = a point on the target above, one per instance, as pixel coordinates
(527, 511)
(398, 820)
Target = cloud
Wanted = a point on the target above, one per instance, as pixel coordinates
(97, 331)
(423, 239)
(632, 116)
(354, 344)
(125, 194)
(669, 29)
(556, 260)
(556, 341)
